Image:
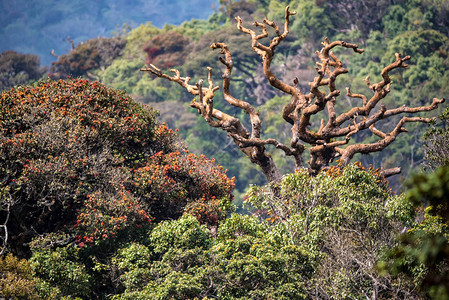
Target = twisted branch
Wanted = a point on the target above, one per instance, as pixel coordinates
(334, 134)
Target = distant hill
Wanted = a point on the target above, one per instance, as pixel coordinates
(37, 27)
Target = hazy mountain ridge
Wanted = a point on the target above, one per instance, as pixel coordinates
(37, 27)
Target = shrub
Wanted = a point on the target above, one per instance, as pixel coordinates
(59, 268)
(81, 159)
(345, 218)
(16, 280)
(17, 68)
(92, 54)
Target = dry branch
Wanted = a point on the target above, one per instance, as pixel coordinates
(332, 139)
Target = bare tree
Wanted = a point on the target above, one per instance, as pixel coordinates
(331, 139)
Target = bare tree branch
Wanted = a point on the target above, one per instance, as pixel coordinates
(332, 138)
(5, 207)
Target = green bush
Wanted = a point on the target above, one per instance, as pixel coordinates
(422, 253)
(59, 268)
(16, 278)
(344, 218)
(244, 262)
(185, 233)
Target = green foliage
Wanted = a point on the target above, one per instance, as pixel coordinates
(312, 24)
(415, 14)
(257, 269)
(60, 269)
(134, 256)
(238, 225)
(195, 29)
(186, 233)
(177, 285)
(344, 218)
(419, 44)
(124, 74)
(173, 271)
(432, 190)
(436, 141)
(395, 22)
(423, 251)
(133, 264)
(244, 262)
(16, 278)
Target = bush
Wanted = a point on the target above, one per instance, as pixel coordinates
(185, 233)
(422, 253)
(345, 218)
(16, 280)
(59, 268)
(81, 159)
(17, 68)
(92, 54)
(188, 263)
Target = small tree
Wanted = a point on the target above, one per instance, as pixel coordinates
(345, 218)
(86, 57)
(327, 142)
(17, 68)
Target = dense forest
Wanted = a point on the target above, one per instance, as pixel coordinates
(114, 187)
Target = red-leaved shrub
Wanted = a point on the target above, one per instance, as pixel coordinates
(84, 160)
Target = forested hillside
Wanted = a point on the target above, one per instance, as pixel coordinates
(415, 28)
(102, 198)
